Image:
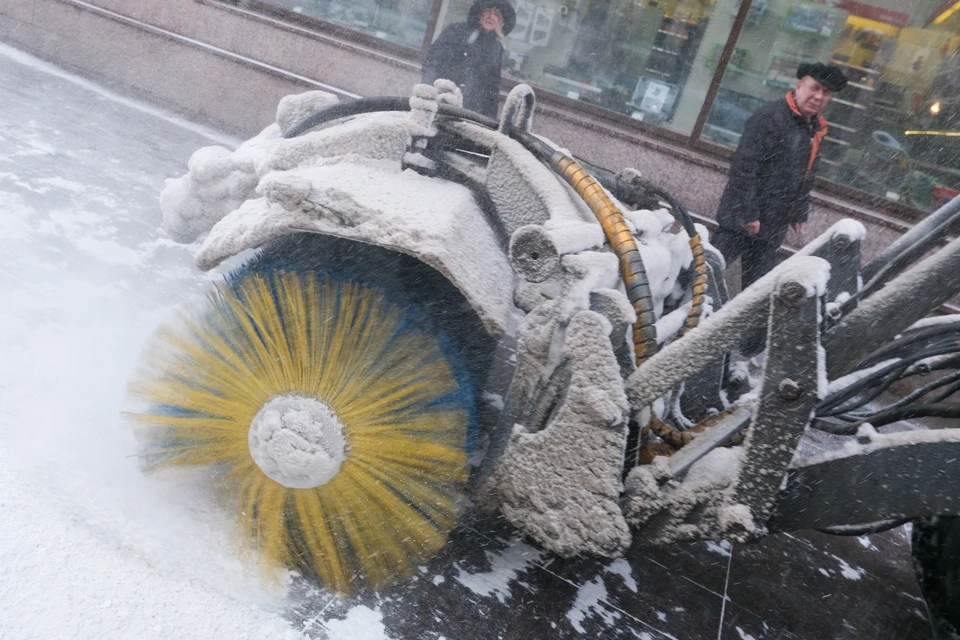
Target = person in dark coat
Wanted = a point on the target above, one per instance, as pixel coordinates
(470, 54)
(772, 172)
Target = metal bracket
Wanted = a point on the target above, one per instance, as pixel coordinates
(843, 253)
(788, 396)
(910, 474)
(735, 491)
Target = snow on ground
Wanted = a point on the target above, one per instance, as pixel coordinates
(504, 569)
(91, 547)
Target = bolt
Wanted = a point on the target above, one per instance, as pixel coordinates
(793, 294)
(841, 241)
(789, 390)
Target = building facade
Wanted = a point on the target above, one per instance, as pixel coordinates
(665, 86)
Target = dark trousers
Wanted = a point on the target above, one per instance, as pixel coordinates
(757, 255)
(757, 258)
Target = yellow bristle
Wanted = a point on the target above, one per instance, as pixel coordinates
(394, 499)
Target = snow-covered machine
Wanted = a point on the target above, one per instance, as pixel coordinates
(447, 311)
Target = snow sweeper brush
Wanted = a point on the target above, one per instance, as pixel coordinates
(447, 310)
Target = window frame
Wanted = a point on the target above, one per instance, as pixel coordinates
(568, 108)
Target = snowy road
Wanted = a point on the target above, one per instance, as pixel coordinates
(92, 549)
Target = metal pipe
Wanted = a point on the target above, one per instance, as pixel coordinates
(906, 299)
(925, 234)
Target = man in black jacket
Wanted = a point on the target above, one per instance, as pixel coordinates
(470, 54)
(772, 172)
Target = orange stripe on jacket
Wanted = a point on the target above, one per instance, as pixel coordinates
(817, 137)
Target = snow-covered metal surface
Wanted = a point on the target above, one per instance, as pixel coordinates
(721, 332)
(731, 492)
(917, 477)
(375, 201)
(927, 285)
(346, 180)
(562, 484)
(298, 442)
(522, 188)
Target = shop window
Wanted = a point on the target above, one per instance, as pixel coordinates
(895, 131)
(651, 60)
(401, 21)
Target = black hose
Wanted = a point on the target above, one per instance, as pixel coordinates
(889, 350)
(945, 393)
(861, 400)
(938, 410)
(346, 110)
(449, 172)
(835, 400)
(627, 193)
(865, 529)
(846, 411)
(638, 288)
(838, 397)
(933, 386)
(901, 374)
(835, 428)
(888, 416)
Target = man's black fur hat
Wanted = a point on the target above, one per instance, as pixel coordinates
(828, 75)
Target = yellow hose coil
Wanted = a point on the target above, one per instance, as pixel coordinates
(624, 246)
(699, 285)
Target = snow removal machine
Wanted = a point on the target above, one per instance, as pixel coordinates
(439, 311)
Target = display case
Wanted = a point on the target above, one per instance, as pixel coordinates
(815, 19)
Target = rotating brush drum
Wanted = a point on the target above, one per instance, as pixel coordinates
(334, 410)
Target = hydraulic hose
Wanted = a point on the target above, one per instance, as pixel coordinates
(624, 246)
(628, 192)
(348, 109)
(699, 285)
(949, 379)
(890, 416)
(623, 243)
(887, 374)
(865, 529)
(945, 393)
(893, 349)
(590, 189)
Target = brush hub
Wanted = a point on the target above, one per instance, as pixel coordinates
(297, 441)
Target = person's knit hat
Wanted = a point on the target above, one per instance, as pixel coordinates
(506, 10)
(828, 75)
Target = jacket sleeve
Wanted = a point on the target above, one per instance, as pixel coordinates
(440, 52)
(755, 148)
(802, 209)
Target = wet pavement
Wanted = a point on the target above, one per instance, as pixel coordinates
(490, 582)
